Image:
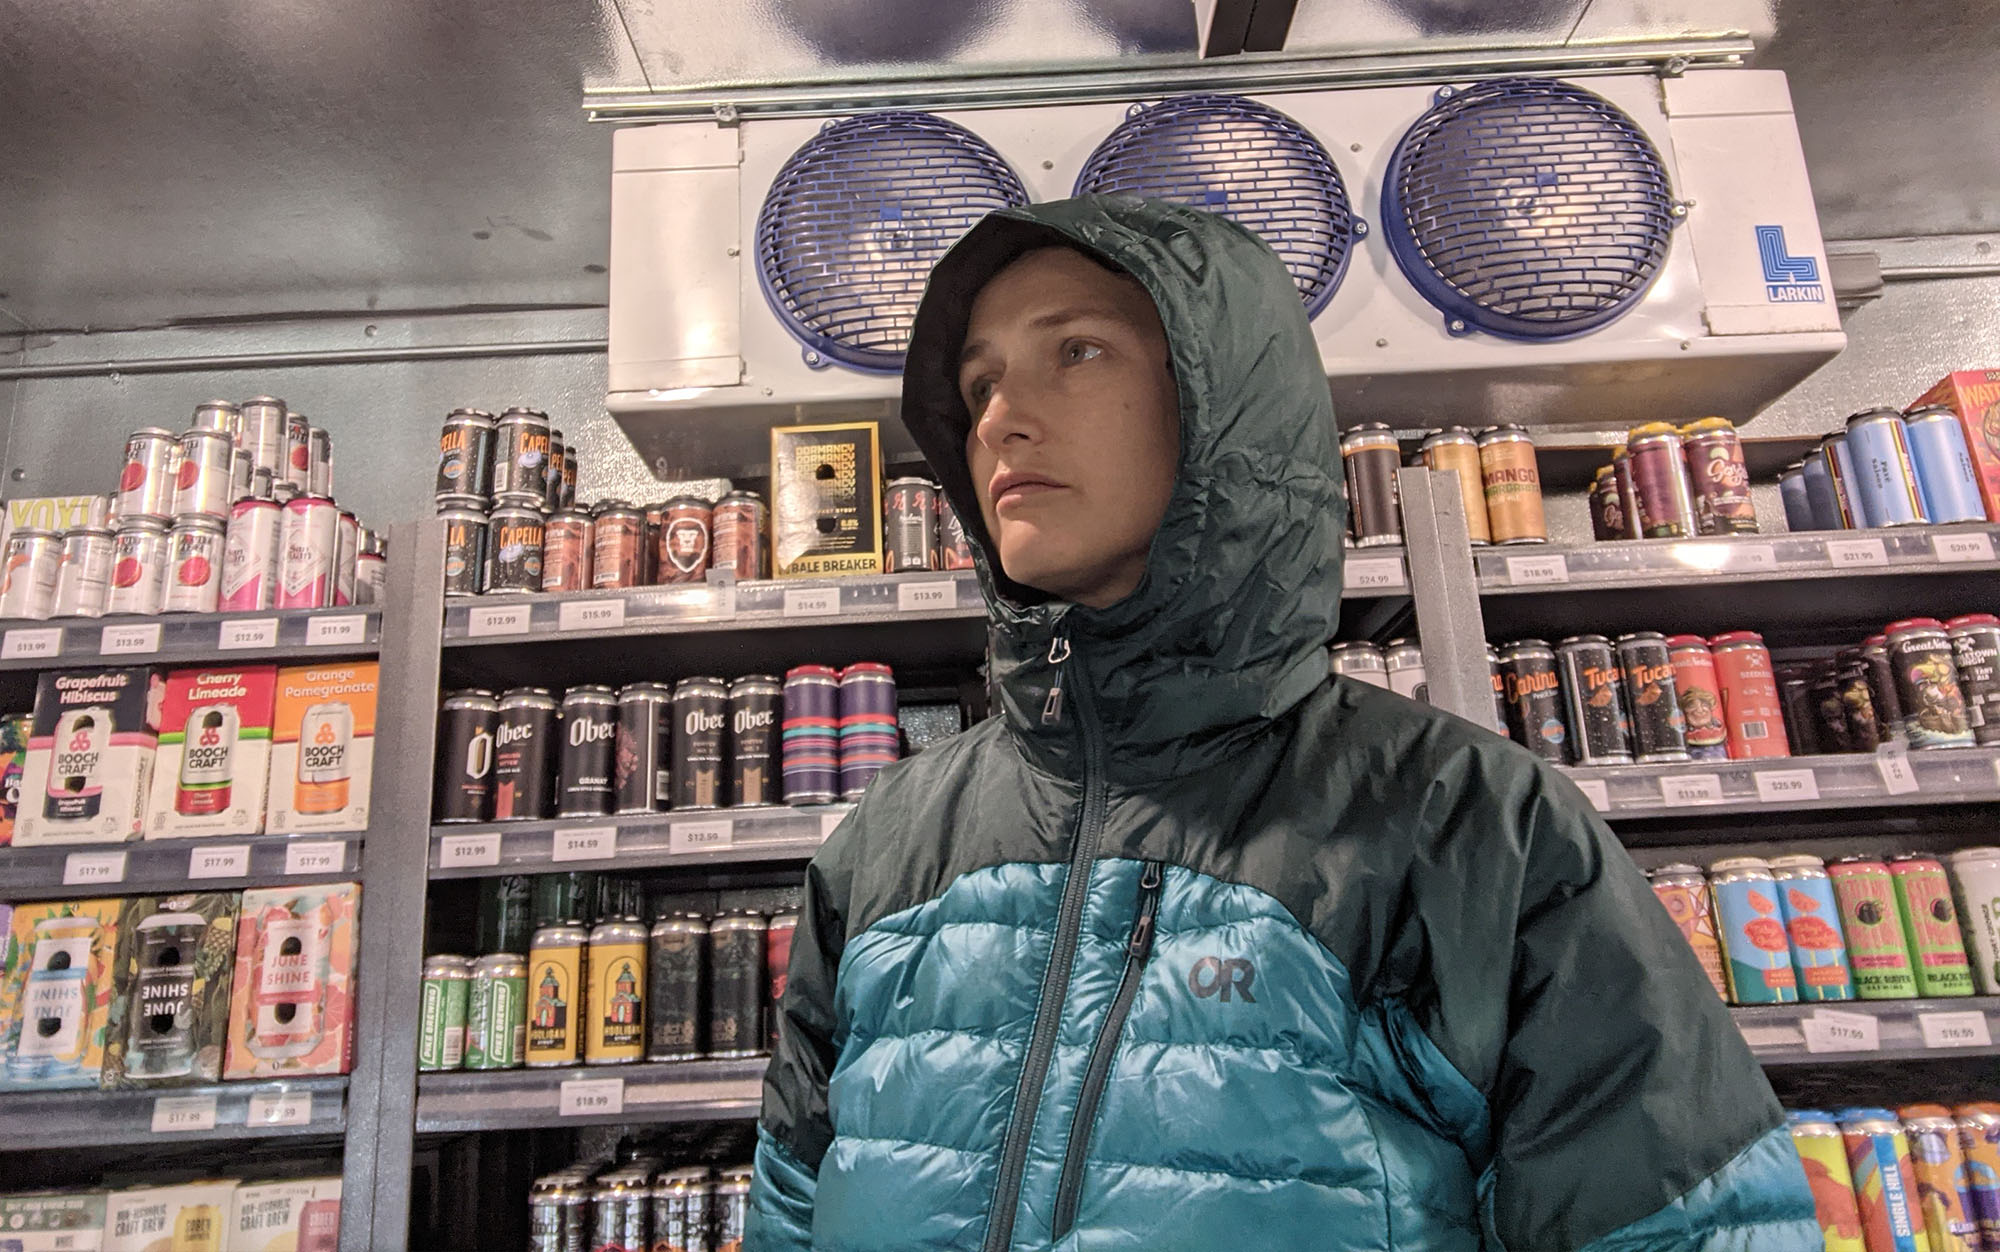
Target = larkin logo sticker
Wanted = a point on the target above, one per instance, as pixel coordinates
(1788, 279)
(1222, 978)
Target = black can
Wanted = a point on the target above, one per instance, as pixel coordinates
(677, 994)
(1828, 709)
(1801, 716)
(1534, 699)
(1371, 457)
(465, 454)
(618, 895)
(590, 740)
(506, 914)
(465, 756)
(465, 531)
(645, 737)
(1499, 688)
(514, 549)
(756, 702)
(701, 727)
(521, 457)
(552, 483)
(1659, 732)
(736, 985)
(1594, 697)
(524, 756)
(1857, 700)
(1933, 704)
(564, 899)
(909, 525)
(1975, 649)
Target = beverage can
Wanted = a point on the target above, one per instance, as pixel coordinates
(1721, 479)
(777, 968)
(1848, 498)
(1748, 689)
(1455, 449)
(1499, 680)
(1975, 652)
(263, 432)
(1607, 517)
(1659, 733)
(147, 484)
(1823, 1152)
(194, 572)
(83, 582)
(1937, 946)
(1759, 955)
(590, 733)
(682, 553)
(736, 985)
(677, 957)
(1699, 691)
(298, 451)
(909, 525)
(700, 743)
(1979, 1135)
(552, 482)
(310, 535)
(1933, 704)
(1797, 499)
(1360, 660)
(569, 468)
(621, 1212)
(555, 973)
(1878, 446)
(524, 754)
(616, 962)
(466, 724)
(1885, 1183)
(1812, 923)
(737, 542)
(252, 551)
(870, 740)
(1943, 1192)
(207, 465)
(514, 549)
(641, 775)
(495, 1018)
(441, 1021)
(566, 551)
(217, 415)
(1405, 661)
(465, 535)
(1975, 874)
(1946, 481)
(1512, 483)
(520, 457)
(1371, 457)
(756, 702)
(1628, 492)
(954, 547)
(1660, 482)
(1878, 948)
(138, 567)
(618, 546)
(1857, 701)
(371, 569)
(346, 547)
(34, 565)
(732, 1209)
(1593, 697)
(465, 454)
(1801, 720)
(1821, 497)
(811, 735)
(1683, 891)
(1534, 699)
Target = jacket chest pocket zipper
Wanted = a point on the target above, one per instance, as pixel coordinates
(1138, 949)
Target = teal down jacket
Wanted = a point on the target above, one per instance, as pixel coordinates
(1194, 947)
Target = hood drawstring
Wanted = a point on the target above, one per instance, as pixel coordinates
(1058, 653)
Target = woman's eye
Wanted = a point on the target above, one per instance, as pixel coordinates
(978, 393)
(1077, 350)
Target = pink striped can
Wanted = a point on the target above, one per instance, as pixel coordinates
(347, 545)
(250, 556)
(310, 539)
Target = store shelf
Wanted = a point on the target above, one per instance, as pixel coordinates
(519, 1099)
(158, 866)
(1940, 776)
(36, 1120)
(1868, 1031)
(632, 840)
(276, 635)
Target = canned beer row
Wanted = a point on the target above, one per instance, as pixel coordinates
(639, 1206)
(1397, 666)
(687, 987)
(1886, 468)
(1792, 928)
(819, 736)
(1923, 1178)
(1671, 482)
(1922, 682)
(523, 548)
(514, 460)
(259, 447)
(1498, 481)
(920, 529)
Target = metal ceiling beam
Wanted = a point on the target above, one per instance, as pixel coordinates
(1270, 24)
(1227, 28)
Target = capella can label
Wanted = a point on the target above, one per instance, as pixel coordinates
(322, 752)
(215, 752)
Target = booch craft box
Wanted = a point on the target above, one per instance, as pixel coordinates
(170, 990)
(214, 761)
(322, 747)
(291, 1005)
(826, 500)
(55, 997)
(90, 757)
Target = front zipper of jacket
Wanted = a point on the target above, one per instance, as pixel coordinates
(1138, 948)
(1069, 923)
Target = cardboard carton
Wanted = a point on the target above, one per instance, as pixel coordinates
(302, 1215)
(826, 500)
(52, 1221)
(55, 996)
(291, 1005)
(189, 1218)
(170, 990)
(323, 747)
(90, 756)
(214, 761)
(1975, 396)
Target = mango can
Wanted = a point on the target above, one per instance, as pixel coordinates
(1823, 1153)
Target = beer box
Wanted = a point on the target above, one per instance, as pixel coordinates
(826, 500)
(214, 761)
(1975, 396)
(298, 1216)
(170, 991)
(192, 1217)
(55, 997)
(291, 1003)
(52, 1221)
(14, 729)
(90, 756)
(322, 747)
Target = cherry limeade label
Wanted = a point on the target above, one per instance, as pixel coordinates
(215, 752)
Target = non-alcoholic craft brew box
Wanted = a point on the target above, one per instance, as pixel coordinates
(826, 500)
(299, 1215)
(56, 992)
(291, 1005)
(1974, 395)
(322, 747)
(52, 1221)
(190, 1217)
(214, 761)
(170, 989)
(90, 756)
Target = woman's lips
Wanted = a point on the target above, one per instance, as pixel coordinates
(1021, 493)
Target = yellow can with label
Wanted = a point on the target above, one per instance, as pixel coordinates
(617, 1025)
(555, 994)
(1823, 1153)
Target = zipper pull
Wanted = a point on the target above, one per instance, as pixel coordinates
(1140, 946)
(1052, 707)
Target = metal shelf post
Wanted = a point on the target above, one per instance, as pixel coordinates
(1445, 594)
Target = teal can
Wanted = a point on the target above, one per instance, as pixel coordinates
(496, 1027)
(1812, 923)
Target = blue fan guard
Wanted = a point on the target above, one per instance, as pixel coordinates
(1247, 161)
(1528, 208)
(855, 220)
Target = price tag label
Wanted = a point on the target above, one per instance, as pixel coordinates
(1753, 556)
(812, 601)
(28, 645)
(83, 869)
(1855, 553)
(1955, 1030)
(925, 596)
(314, 858)
(496, 619)
(1897, 776)
(129, 640)
(590, 615)
(468, 851)
(229, 860)
(1535, 571)
(280, 1108)
(828, 823)
(249, 632)
(725, 599)
(707, 836)
(181, 1114)
(1375, 573)
(1683, 790)
(1596, 792)
(1962, 546)
(584, 843)
(591, 1097)
(1776, 786)
(324, 632)
(1829, 1031)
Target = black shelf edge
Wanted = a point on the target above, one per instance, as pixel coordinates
(1779, 1034)
(1692, 789)
(36, 1120)
(522, 1099)
(292, 635)
(164, 866)
(1527, 570)
(631, 840)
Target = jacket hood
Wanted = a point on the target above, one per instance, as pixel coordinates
(1228, 629)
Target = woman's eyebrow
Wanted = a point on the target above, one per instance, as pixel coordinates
(1045, 321)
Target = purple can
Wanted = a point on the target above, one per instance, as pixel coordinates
(868, 735)
(811, 755)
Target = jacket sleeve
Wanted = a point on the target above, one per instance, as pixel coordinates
(795, 1127)
(1627, 1111)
